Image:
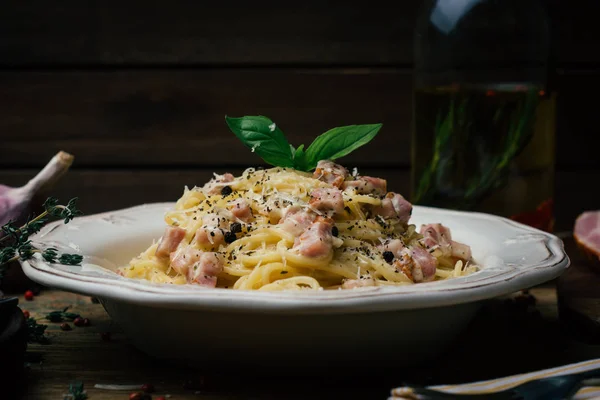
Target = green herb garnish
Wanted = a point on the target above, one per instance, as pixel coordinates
(266, 139)
(76, 392)
(36, 333)
(61, 315)
(15, 241)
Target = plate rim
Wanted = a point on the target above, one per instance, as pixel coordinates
(367, 300)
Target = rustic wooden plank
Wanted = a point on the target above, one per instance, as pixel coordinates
(575, 32)
(577, 118)
(183, 32)
(113, 189)
(169, 117)
(176, 118)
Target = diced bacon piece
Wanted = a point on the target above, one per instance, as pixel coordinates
(461, 250)
(210, 234)
(241, 209)
(394, 205)
(356, 283)
(184, 258)
(393, 245)
(209, 237)
(367, 185)
(330, 172)
(296, 220)
(438, 236)
(424, 265)
(327, 200)
(317, 240)
(417, 264)
(170, 240)
(204, 271)
(217, 183)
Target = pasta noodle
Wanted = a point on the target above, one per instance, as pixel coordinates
(282, 229)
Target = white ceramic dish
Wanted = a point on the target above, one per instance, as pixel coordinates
(401, 325)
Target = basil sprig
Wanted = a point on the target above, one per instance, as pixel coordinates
(265, 138)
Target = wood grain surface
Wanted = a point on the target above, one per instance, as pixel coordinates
(234, 32)
(176, 118)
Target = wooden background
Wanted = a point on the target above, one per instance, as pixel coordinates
(138, 90)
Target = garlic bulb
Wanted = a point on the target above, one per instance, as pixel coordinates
(15, 202)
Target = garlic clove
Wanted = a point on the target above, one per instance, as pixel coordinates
(15, 202)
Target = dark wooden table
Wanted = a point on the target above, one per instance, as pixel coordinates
(509, 336)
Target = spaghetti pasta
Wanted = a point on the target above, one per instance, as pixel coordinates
(283, 229)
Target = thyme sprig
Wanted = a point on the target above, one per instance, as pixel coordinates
(36, 333)
(16, 239)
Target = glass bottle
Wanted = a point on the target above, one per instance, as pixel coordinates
(484, 113)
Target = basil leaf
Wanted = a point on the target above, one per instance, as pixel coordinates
(264, 138)
(338, 142)
(300, 158)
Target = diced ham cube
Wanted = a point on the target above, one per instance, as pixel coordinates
(367, 185)
(356, 283)
(204, 271)
(424, 265)
(327, 200)
(170, 240)
(417, 264)
(215, 185)
(461, 251)
(330, 172)
(437, 236)
(209, 237)
(210, 234)
(296, 220)
(395, 246)
(241, 210)
(317, 240)
(184, 258)
(394, 205)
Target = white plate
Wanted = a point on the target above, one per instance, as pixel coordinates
(196, 324)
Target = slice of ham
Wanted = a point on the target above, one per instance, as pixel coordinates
(439, 236)
(367, 185)
(330, 172)
(327, 200)
(317, 240)
(204, 272)
(296, 220)
(215, 185)
(241, 210)
(171, 238)
(417, 264)
(394, 205)
(587, 234)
